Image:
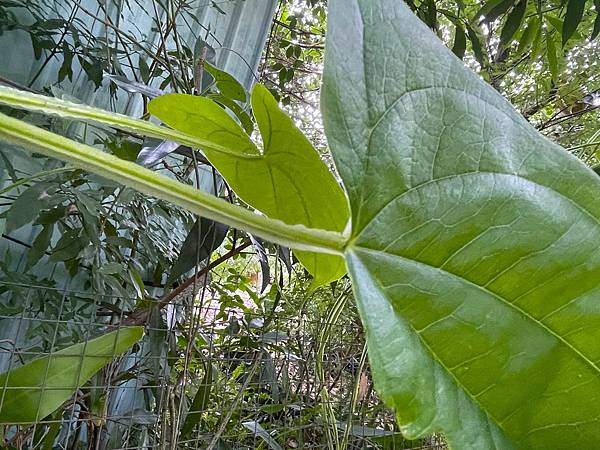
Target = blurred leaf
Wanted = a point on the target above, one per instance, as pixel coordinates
(40, 245)
(477, 47)
(552, 56)
(38, 388)
(66, 70)
(27, 205)
(513, 23)
(264, 262)
(150, 155)
(259, 431)
(494, 9)
(124, 149)
(94, 69)
(210, 55)
(236, 109)
(69, 245)
(111, 268)
(211, 235)
(573, 16)
(460, 42)
(556, 23)
(144, 70)
(200, 402)
(367, 432)
(226, 83)
(134, 87)
(531, 31)
(429, 14)
(596, 30)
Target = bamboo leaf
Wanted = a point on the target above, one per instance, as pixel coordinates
(494, 9)
(596, 29)
(551, 51)
(200, 401)
(528, 36)
(513, 23)
(204, 238)
(573, 16)
(31, 392)
(460, 42)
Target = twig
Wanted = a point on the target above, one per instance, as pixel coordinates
(140, 316)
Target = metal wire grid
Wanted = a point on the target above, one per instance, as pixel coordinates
(265, 391)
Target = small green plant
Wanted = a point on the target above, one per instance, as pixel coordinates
(472, 244)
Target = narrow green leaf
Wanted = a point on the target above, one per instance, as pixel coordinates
(513, 23)
(487, 8)
(556, 23)
(477, 46)
(243, 116)
(204, 238)
(573, 16)
(259, 431)
(429, 14)
(144, 70)
(528, 36)
(596, 29)
(40, 245)
(473, 254)
(27, 206)
(31, 392)
(200, 402)
(552, 56)
(460, 42)
(287, 181)
(494, 9)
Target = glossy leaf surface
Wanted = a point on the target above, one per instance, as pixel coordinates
(31, 392)
(474, 249)
(286, 181)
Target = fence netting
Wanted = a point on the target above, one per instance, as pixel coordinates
(203, 375)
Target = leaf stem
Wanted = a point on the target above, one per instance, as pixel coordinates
(61, 108)
(37, 176)
(89, 158)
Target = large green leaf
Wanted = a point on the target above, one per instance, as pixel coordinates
(287, 181)
(474, 249)
(31, 392)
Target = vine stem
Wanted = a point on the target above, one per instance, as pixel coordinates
(61, 108)
(151, 183)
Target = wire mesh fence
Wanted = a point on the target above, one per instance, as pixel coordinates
(202, 376)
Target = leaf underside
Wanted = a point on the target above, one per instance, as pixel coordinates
(474, 252)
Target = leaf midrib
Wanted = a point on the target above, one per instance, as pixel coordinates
(432, 352)
(468, 174)
(487, 291)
